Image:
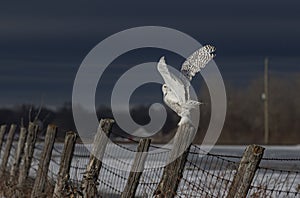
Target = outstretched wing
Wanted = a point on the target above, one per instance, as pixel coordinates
(172, 81)
(197, 61)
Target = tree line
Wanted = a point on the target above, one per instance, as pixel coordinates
(244, 123)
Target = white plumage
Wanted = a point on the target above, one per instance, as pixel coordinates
(176, 89)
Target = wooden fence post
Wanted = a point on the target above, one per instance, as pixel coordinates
(42, 173)
(136, 169)
(65, 164)
(8, 145)
(173, 171)
(28, 153)
(2, 132)
(89, 183)
(18, 154)
(246, 171)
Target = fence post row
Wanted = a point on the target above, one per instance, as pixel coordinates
(18, 154)
(42, 173)
(89, 183)
(28, 154)
(136, 169)
(2, 133)
(173, 171)
(246, 171)
(7, 149)
(169, 182)
(65, 164)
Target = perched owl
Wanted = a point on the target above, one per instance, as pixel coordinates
(176, 89)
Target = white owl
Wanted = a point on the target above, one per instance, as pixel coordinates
(176, 89)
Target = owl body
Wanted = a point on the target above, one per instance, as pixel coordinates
(181, 108)
(176, 90)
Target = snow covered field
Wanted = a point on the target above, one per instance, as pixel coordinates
(277, 176)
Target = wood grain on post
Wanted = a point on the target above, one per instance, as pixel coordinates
(28, 153)
(173, 171)
(136, 169)
(18, 154)
(65, 164)
(89, 183)
(246, 171)
(7, 149)
(42, 172)
(2, 133)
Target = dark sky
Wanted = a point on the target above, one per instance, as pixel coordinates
(42, 43)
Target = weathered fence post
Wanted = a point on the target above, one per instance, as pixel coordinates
(8, 145)
(2, 132)
(246, 171)
(28, 153)
(65, 164)
(42, 173)
(173, 171)
(89, 183)
(136, 169)
(18, 154)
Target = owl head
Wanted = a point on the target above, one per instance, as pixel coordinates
(164, 89)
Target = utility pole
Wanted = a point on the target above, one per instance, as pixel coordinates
(266, 101)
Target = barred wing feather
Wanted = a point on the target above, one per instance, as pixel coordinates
(197, 61)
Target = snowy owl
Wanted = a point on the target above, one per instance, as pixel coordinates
(176, 89)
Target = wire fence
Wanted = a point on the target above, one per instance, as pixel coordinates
(205, 174)
(275, 182)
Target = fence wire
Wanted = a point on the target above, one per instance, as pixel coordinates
(205, 174)
(274, 182)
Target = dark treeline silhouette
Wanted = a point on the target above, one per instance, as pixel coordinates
(245, 115)
(244, 122)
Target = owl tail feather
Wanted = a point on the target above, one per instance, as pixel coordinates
(191, 104)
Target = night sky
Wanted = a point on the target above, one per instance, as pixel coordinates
(42, 43)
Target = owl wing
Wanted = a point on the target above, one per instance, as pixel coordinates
(172, 81)
(197, 61)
